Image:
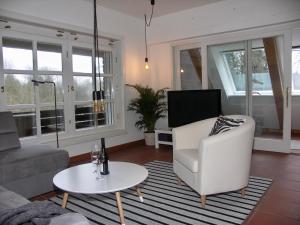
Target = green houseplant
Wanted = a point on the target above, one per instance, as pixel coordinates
(150, 105)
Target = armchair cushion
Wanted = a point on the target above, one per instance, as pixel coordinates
(188, 158)
(224, 124)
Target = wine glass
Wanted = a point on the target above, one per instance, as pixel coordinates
(95, 153)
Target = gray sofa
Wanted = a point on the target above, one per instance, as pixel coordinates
(27, 170)
(9, 199)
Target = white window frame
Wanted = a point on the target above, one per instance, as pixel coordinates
(71, 136)
(35, 73)
(295, 92)
(111, 75)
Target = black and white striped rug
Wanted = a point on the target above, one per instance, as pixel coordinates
(167, 203)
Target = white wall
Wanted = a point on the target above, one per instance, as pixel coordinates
(224, 16)
(79, 13)
(216, 18)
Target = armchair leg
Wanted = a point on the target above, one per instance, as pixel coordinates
(179, 181)
(203, 200)
(243, 192)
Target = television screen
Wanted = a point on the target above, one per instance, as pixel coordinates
(192, 105)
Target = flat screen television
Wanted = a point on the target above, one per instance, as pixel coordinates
(192, 105)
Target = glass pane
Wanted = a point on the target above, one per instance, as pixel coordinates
(83, 88)
(109, 112)
(191, 69)
(17, 54)
(267, 94)
(226, 71)
(84, 116)
(104, 61)
(25, 121)
(18, 89)
(82, 60)
(235, 60)
(260, 78)
(48, 124)
(106, 85)
(46, 91)
(296, 69)
(49, 57)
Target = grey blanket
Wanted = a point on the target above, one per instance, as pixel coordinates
(34, 213)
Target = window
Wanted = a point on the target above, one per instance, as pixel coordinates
(83, 85)
(235, 61)
(296, 71)
(47, 59)
(22, 98)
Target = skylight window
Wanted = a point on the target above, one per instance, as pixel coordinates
(236, 61)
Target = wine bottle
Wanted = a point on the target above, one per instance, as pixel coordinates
(104, 156)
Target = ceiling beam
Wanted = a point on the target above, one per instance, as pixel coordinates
(273, 61)
(197, 62)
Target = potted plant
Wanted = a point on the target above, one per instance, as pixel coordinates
(150, 106)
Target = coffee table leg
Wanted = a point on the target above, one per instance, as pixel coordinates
(138, 191)
(120, 208)
(65, 200)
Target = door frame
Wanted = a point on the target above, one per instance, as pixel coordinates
(284, 30)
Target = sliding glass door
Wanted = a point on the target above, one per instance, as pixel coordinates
(254, 75)
(250, 75)
(226, 69)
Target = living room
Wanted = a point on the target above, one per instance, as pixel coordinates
(177, 30)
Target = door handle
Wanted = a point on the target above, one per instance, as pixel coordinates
(2, 89)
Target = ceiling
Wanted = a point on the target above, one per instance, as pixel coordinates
(138, 8)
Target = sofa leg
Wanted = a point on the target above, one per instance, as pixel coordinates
(203, 200)
(179, 181)
(243, 192)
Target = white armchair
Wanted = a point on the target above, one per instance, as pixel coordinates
(213, 164)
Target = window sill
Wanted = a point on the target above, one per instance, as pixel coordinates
(76, 138)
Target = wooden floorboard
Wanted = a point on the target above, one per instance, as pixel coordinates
(279, 206)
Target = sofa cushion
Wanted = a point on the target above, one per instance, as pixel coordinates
(30, 161)
(188, 158)
(9, 199)
(9, 138)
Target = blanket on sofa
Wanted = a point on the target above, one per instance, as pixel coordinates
(34, 213)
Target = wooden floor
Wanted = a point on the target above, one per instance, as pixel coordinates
(281, 203)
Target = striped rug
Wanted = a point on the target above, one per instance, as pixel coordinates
(167, 203)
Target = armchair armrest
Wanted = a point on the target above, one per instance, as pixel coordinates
(188, 136)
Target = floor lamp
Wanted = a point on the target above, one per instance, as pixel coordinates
(36, 83)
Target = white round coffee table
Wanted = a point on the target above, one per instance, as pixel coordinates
(82, 179)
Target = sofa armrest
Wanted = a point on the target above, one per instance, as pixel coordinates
(188, 136)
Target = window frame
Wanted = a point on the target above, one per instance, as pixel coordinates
(111, 75)
(234, 92)
(294, 92)
(70, 135)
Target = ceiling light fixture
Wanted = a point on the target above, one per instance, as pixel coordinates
(147, 24)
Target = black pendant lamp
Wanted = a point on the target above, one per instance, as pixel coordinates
(98, 95)
(147, 24)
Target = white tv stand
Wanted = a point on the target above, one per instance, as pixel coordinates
(167, 132)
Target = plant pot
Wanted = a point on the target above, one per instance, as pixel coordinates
(149, 139)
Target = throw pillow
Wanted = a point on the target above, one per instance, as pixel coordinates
(224, 124)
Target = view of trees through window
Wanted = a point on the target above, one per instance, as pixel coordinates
(20, 91)
(236, 64)
(27, 101)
